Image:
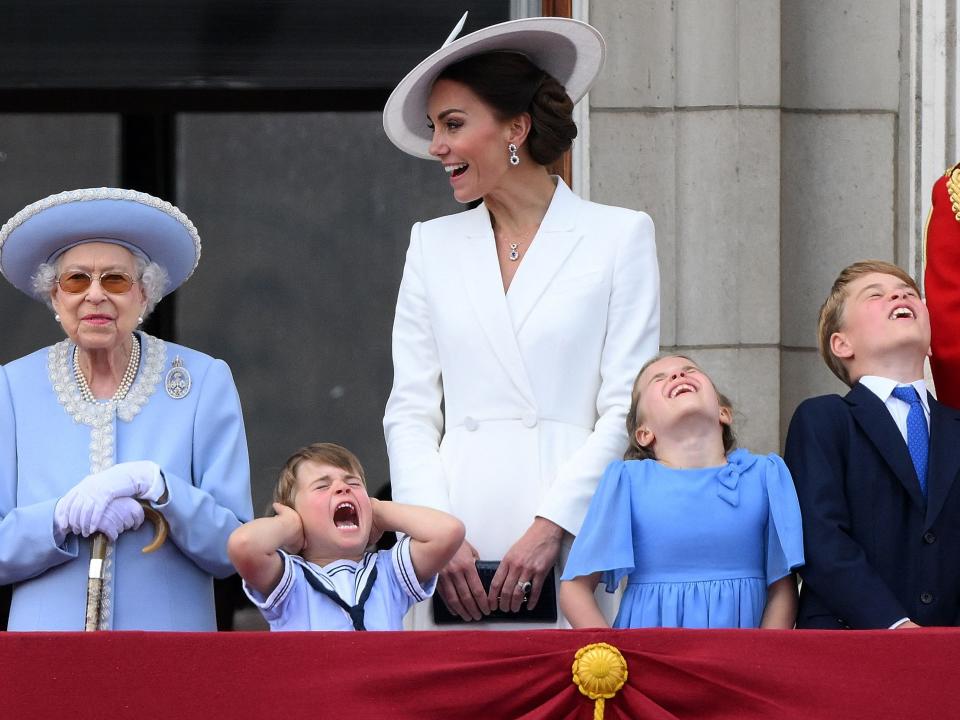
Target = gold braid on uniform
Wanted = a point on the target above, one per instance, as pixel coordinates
(953, 189)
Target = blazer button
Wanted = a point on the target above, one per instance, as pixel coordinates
(470, 423)
(529, 419)
(926, 598)
(929, 538)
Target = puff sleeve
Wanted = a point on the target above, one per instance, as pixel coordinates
(784, 538)
(606, 543)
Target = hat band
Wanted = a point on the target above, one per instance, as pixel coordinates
(112, 241)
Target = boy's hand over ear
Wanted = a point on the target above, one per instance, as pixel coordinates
(376, 529)
(293, 538)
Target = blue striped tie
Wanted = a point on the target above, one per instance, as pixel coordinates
(918, 436)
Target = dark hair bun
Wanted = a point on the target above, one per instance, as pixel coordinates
(553, 128)
(510, 84)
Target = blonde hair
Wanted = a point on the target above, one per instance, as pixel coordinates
(830, 320)
(636, 451)
(328, 453)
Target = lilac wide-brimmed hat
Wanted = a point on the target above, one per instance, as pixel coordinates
(142, 223)
(570, 50)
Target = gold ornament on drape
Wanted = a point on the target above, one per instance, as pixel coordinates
(599, 671)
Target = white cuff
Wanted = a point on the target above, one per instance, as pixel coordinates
(158, 485)
(60, 526)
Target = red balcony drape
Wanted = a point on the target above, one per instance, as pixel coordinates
(672, 674)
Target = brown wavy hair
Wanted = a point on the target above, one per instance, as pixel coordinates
(636, 451)
(327, 453)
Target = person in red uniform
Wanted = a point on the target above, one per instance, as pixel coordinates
(942, 285)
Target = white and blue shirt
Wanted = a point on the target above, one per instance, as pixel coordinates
(384, 583)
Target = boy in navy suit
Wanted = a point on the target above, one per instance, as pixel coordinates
(875, 470)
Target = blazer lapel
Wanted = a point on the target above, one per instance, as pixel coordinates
(875, 420)
(553, 244)
(483, 286)
(944, 451)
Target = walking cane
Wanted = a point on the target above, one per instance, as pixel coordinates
(98, 554)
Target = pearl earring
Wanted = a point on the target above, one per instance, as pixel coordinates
(56, 317)
(140, 320)
(514, 159)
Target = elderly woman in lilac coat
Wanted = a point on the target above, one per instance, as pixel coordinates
(110, 421)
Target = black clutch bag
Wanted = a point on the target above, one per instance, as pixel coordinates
(544, 612)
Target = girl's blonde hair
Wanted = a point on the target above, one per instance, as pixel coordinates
(636, 451)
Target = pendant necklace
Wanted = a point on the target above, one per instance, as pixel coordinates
(513, 251)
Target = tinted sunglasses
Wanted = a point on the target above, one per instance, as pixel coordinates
(113, 281)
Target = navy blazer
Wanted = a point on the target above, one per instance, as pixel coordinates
(876, 549)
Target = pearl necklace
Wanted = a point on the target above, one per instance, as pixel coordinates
(125, 382)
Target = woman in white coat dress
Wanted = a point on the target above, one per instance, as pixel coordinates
(521, 323)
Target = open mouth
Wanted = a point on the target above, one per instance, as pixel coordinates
(682, 389)
(345, 517)
(902, 312)
(456, 170)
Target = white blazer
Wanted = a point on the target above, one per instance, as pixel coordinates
(509, 406)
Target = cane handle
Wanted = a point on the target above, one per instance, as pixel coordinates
(160, 526)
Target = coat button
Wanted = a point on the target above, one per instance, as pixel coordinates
(926, 598)
(470, 423)
(929, 538)
(529, 419)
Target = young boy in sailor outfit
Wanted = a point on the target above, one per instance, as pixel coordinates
(308, 568)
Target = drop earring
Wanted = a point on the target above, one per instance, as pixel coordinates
(140, 320)
(514, 158)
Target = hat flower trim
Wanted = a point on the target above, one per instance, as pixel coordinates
(103, 193)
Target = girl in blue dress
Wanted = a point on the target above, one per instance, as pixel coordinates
(706, 539)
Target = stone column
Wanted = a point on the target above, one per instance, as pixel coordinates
(685, 124)
(839, 151)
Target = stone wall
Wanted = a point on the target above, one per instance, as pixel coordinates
(762, 136)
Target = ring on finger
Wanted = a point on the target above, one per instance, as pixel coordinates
(524, 586)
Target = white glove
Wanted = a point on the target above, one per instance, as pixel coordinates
(81, 510)
(120, 515)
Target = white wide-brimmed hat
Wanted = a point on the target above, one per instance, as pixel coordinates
(139, 222)
(569, 50)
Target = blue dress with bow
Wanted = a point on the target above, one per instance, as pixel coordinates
(699, 547)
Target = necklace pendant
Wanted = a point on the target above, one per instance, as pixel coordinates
(178, 381)
(514, 252)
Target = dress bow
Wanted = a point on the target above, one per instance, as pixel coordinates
(728, 479)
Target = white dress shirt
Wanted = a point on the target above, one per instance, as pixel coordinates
(883, 389)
